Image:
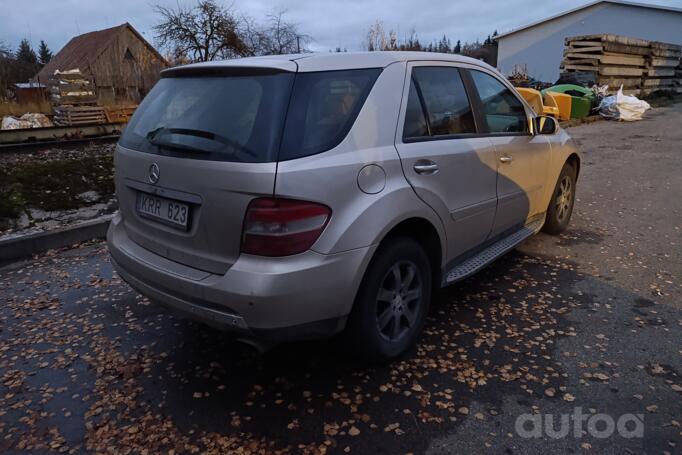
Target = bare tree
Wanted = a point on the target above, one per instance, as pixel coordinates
(275, 37)
(201, 33)
(282, 37)
(377, 40)
(209, 31)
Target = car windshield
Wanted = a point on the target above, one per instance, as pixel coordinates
(227, 118)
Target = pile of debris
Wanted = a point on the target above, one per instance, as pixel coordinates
(28, 120)
(640, 66)
(74, 99)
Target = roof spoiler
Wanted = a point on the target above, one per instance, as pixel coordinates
(226, 70)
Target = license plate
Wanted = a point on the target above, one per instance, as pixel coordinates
(161, 209)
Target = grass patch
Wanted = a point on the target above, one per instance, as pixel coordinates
(52, 185)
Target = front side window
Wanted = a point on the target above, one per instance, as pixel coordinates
(502, 110)
(441, 93)
(323, 108)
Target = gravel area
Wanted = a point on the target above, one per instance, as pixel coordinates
(587, 323)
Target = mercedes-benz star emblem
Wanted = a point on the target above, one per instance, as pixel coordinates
(154, 173)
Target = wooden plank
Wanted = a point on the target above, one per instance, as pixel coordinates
(583, 56)
(611, 38)
(610, 59)
(657, 61)
(666, 46)
(625, 49)
(658, 82)
(585, 43)
(666, 53)
(617, 82)
(580, 68)
(620, 71)
(63, 88)
(586, 49)
(661, 72)
(581, 62)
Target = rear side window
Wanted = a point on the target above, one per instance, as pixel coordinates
(227, 118)
(444, 102)
(503, 111)
(415, 119)
(324, 106)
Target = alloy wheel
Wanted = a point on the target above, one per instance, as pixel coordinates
(564, 199)
(398, 301)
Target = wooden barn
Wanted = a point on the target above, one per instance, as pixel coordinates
(122, 65)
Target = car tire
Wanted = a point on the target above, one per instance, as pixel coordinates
(561, 204)
(392, 302)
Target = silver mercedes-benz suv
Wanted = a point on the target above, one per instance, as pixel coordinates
(301, 196)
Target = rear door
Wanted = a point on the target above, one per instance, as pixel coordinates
(445, 160)
(199, 148)
(522, 157)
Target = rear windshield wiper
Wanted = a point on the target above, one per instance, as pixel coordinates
(156, 137)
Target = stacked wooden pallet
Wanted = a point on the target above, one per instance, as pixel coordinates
(79, 115)
(640, 66)
(74, 100)
(120, 114)
(615, 60)
(661, 68)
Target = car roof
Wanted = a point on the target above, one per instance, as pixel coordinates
(328, 61)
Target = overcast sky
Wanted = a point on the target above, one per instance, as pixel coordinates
(341, 23)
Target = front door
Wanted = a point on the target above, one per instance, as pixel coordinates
(448, 164)
(522, 157)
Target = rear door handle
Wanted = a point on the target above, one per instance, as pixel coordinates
(506, 159)
(426, 167)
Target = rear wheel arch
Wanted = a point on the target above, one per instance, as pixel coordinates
(426, 235)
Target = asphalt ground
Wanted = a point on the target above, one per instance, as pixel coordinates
(583, 328)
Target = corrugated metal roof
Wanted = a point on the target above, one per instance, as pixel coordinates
(589, 5)
(83, 49)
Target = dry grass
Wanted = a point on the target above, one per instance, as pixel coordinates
(16, 110)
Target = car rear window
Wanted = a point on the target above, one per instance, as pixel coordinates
(240, 118)
(227, 118)
(438, 92)
(324, 106)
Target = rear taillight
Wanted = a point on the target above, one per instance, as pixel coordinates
(280, 227)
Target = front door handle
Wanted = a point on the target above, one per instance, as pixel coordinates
(426, 167)
(506, 159)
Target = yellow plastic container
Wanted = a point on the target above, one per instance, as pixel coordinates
(532, 97)
(563, 103)
(549, 105)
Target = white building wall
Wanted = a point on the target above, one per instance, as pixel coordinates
(540, 47)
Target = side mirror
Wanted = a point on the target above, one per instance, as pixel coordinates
(545, 125)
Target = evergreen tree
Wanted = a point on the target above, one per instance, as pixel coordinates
(25, 53)
(44, 53)
(458, 47)
(443, 45)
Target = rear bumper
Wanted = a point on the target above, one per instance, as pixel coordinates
(308, 295)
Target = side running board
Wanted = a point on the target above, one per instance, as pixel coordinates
(475, 263)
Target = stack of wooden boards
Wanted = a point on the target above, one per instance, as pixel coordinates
(640, 66)
(120, 114)
(74, 100)
(663, 68)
